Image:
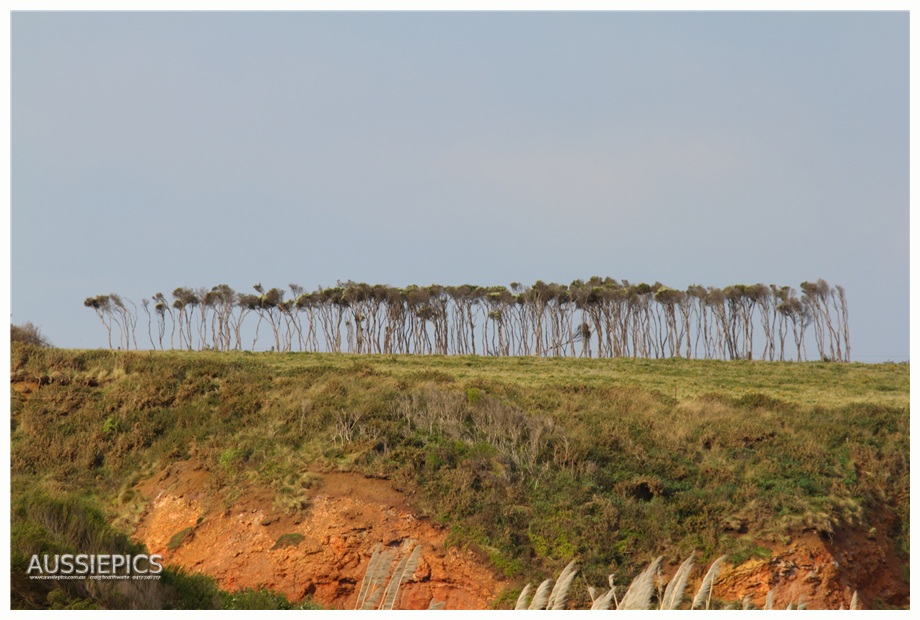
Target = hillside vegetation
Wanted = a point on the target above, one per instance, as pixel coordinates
(531, 461)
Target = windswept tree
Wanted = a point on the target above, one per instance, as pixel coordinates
(497, 301)
(761, 297)
(145, 304)
(697, 294)
(221, 301)
(308, 304)
(818, 297)
(292, 316)
(102, 306)
(331, 312)
(464, 299)
(538, 297)
(669, 299)
(599, 317)
(797, 316)
(270, 307)
(843, 319)
(785, 310)
(127, 316)
(736, 324)
(162, 309)
(717, 301)
(247, 302)
(184, 302)
(359, 300)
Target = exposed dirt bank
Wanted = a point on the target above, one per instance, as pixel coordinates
(823, 572)
(347, 516)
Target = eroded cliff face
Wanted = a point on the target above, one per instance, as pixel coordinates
(824, 571)
(251, 544)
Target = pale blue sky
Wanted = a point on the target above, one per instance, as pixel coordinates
(157, 150)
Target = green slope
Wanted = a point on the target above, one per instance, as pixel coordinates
(533, 461)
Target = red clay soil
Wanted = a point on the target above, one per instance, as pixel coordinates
(349, 514)
(822, 573)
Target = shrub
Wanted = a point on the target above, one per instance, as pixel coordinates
(29, 334)
(262, 598)
(44, 523)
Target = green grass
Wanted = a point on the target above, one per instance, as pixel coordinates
(288, 540)
(180, 537)
(65, 523)
(532, 461)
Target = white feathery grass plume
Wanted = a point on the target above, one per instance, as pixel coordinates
(704, 594)
(592, 592)
(560, 593)
(674, 593)
(404, 571)
(362, 590)
(769, 602)
(377, 578)
(412, 564)
(801, 604)
(613, 589)
(746, 603)
(409, 569)
(789, 606)
(388, 593)
(436, 605)
(639, 594)
(523, 598)
(854, 602)
(542, 596)
(604, 602)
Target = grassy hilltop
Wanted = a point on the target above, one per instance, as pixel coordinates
(531, 461)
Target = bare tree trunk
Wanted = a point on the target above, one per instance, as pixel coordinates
(844, 320)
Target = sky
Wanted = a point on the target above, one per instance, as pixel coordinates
(156, 150)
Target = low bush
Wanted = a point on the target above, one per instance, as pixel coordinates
(28, 334)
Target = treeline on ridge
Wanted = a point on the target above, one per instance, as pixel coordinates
(593, 318)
